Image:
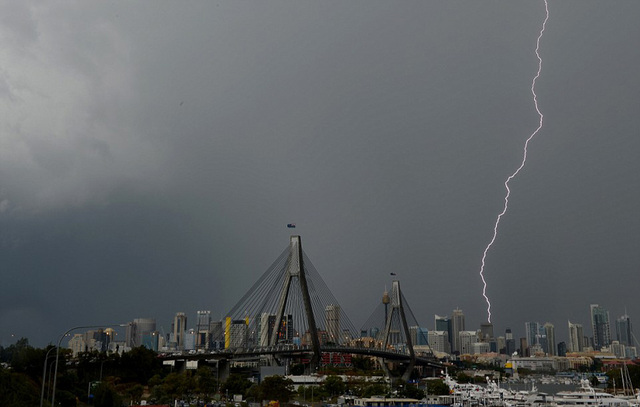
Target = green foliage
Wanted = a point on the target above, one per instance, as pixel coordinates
(17, 390)
(104, 395)
(297, 369)
(634, 374)
(363, 364)
(462, 377)
(408, 390)
(334, 385)
(437, 387)
(275, 388)
(236, 384)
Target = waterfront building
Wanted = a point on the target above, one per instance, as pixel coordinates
(600, 326)
(457, 326)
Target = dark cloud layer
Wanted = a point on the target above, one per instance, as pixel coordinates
(152, 156)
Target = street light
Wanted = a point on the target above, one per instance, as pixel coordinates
(44, 374)
(55, 371)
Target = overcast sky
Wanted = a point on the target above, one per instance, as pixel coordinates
(152, 153)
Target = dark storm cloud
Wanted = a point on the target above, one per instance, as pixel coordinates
(152, 156)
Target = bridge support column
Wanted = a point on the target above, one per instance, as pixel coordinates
(295, 268)
(397, 319)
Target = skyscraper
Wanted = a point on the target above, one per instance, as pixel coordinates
(532, 333)
(600, 326)
(332, 315)
(179, 328)
(444, 324)
(509, 342)
(623, 330)
(550, 332)
(203, 321)
(575, 337)
(457, 326)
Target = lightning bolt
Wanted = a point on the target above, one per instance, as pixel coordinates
(522, 164)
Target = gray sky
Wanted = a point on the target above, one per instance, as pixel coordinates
(152, 154)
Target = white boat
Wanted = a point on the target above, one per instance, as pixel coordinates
(588, 396)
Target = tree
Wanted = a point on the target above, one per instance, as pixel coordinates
(334, 385)
(437, 387)
(236, 384)
(276, 388)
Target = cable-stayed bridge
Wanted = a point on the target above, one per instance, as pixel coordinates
(290, 314)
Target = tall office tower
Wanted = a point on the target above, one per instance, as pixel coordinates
(524, 347)
(457, 326)
(486, 332)
(286, 331)
(501, 344)
(550, 333)
(332, 316)
(532, 333)
(562, 349)
(237, 333)
(623, 330)
(138, 330)
(575, 337)
(600, 326)
(510, 343)
(217, 334)
(444, 324)
(439, 341)
(265, 328)
(466, 341)
(179, 328)
(203, 321)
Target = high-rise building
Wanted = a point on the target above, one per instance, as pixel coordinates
(332, 316)
(551, 339)
(419, 336)
(179, 329)
(138, 330)
(562, 349)
(265, 328)
(509, 342)
(486, 332)
(237, 333)
(457, 326)
(444, 324)
(524, 347)
(203, 321)
(600, 326)
(575, 337)
(439, 341)
(466, 341)
(623, 330)
(532, 333)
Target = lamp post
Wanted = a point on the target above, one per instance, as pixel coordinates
(44, 374)
(55, 371)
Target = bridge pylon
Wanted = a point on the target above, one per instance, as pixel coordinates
(295, 271)
(395, 326)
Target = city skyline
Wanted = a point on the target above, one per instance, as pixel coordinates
(156, 160)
